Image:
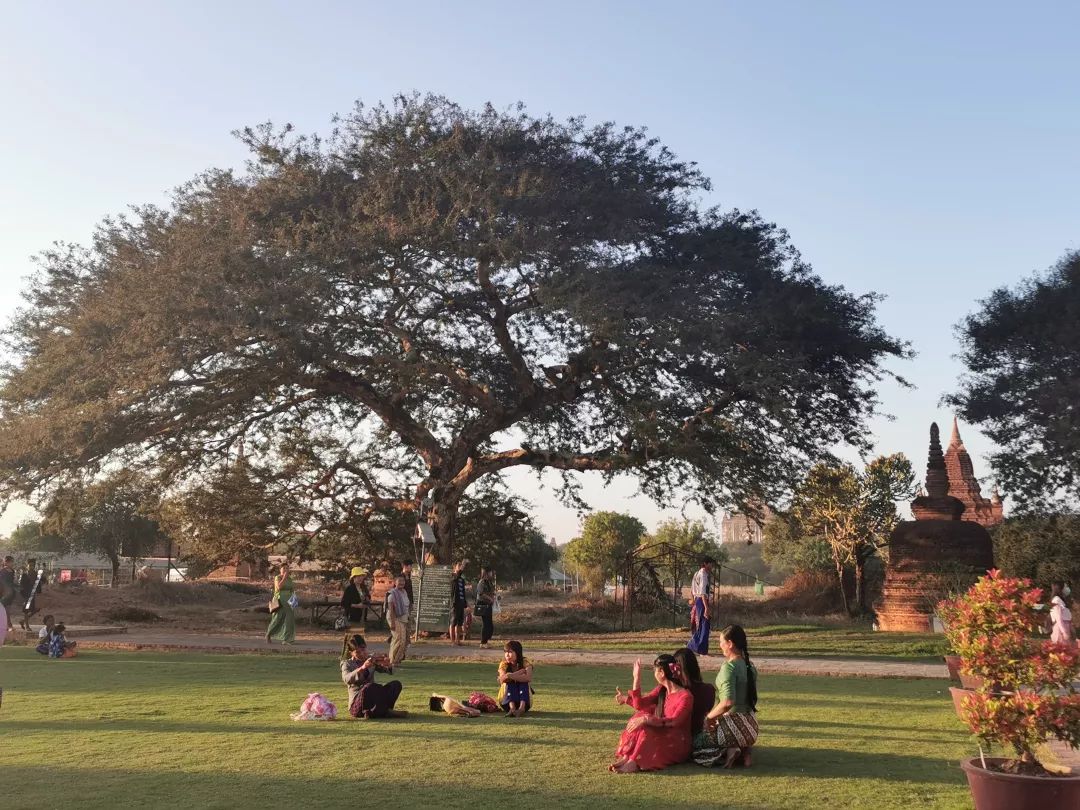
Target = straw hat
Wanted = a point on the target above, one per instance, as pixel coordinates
(358, 572)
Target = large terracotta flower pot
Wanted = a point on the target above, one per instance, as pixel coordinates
(958, 695)
(953, 663)
(992, 790)
(975, 682)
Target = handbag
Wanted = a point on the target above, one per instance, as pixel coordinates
(274, 605)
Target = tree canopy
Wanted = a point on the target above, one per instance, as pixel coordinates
(690, 537)
(109, 517)
(28, 536)
(1043, 548)
(1022, 388)
(606, 538)
(846, 514)
(430, 296)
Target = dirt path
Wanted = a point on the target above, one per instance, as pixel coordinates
(230, 643)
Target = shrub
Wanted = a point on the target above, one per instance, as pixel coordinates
(1043, 548)
(812, 592)
(1027, 695)
(131, 613)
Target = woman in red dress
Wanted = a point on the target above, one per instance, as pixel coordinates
(658, 735)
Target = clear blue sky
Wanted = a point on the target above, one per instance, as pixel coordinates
(926, 151)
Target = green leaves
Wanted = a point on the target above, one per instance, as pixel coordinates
(426, 298)
(1022, 351)
(606, 538)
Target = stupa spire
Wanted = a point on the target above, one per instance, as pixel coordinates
(954, 439)
(936, 504)
(964, 484)
(937, 479)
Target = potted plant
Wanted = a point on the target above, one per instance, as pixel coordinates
(1026, 696)
(944, 582)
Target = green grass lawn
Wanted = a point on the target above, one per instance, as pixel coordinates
(148, 730)
(788, 640)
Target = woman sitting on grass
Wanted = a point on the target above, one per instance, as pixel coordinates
(45, 632)
(658, 735)
(515, 678)
(731, 728)
(704, 693)
(59, 646)
(367, 698)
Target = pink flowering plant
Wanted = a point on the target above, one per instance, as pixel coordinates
(1027, 695)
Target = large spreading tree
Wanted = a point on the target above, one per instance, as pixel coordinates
(432, 296)
(1022, 351)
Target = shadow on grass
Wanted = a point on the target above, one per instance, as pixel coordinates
(773, 762)
(453, 730)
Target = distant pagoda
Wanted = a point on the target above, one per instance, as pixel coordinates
(964, 486)
(936, 548)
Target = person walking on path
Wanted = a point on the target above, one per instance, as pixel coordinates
(1061, 628)
(700, 589)
(485, 605)
(406, 571)
(8, 590)
(29, 587)
(458, 605)
(282, 617)
(397, 616)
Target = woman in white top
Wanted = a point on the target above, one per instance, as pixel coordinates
(1061, 631)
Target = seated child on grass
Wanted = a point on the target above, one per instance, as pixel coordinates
(515, 677)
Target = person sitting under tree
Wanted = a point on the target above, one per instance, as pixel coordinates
(368, 699)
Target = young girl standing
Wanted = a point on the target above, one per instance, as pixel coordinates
(515, 675)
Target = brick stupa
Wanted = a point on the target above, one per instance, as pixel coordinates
(964, 485)
(939, 542)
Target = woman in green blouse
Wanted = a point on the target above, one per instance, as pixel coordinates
(731, 727)
(283, 620)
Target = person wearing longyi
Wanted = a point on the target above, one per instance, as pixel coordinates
(700, 589)
(282, 625)
(368, 699)
(731, 726)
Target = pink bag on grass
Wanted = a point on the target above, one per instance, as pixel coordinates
(316, 707)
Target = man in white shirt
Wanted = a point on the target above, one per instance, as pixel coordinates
(699, 612)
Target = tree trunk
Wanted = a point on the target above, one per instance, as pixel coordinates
(840, 581)
(442, 517)
(115, 560)
(860, 585)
